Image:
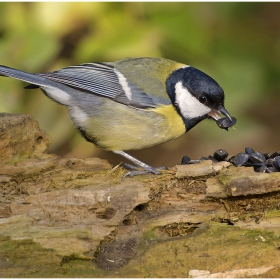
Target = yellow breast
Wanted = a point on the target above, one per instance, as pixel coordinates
(119, 127)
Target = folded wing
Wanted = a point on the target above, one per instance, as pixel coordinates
(104, 80)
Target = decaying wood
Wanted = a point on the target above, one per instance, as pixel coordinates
(204, 168)
(21, 138)
(80, 209)
(242, 181)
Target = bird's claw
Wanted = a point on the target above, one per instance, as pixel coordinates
(134, 170)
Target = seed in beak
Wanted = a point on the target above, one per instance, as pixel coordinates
(225, 123)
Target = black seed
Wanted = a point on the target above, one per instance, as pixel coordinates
(203, 158)
(185, 160)
(266, 155)
(249, 151)
(256, 158)
(276, 154)
(261, 155)
(261, 162)
(240, 159)
(260, 169)
(230, 159)
(225, 123)
(269, 162)
(271, 169)
(220, 155)
(276, 163)
(212, 158)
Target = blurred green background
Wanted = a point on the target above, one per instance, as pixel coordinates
(238, 44)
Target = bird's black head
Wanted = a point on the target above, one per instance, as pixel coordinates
(195, 95)
(203, 87)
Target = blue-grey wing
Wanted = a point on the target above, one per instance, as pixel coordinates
(104, 80)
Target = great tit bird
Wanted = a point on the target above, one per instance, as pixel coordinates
(132, 103)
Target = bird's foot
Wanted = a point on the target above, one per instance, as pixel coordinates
(134, 170)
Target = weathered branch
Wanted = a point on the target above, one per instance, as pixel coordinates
(81, 209)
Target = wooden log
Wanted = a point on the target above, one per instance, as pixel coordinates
(73, 217)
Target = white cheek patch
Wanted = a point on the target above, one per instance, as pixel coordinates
(124, 84)
(189, 106)
(57, 95)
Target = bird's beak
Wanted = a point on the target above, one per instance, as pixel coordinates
(223, 111)
(214, 114)
(225, 122)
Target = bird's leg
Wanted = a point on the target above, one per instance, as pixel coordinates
(129, 166)
(147, 168)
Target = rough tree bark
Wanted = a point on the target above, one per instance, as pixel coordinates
(69, 217)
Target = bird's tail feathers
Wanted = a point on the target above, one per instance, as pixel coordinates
(54, 90)
(24, 76)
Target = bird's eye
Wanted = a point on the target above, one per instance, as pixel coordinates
(202, 99)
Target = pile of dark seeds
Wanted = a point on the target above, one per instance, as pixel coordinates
(261, 162)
